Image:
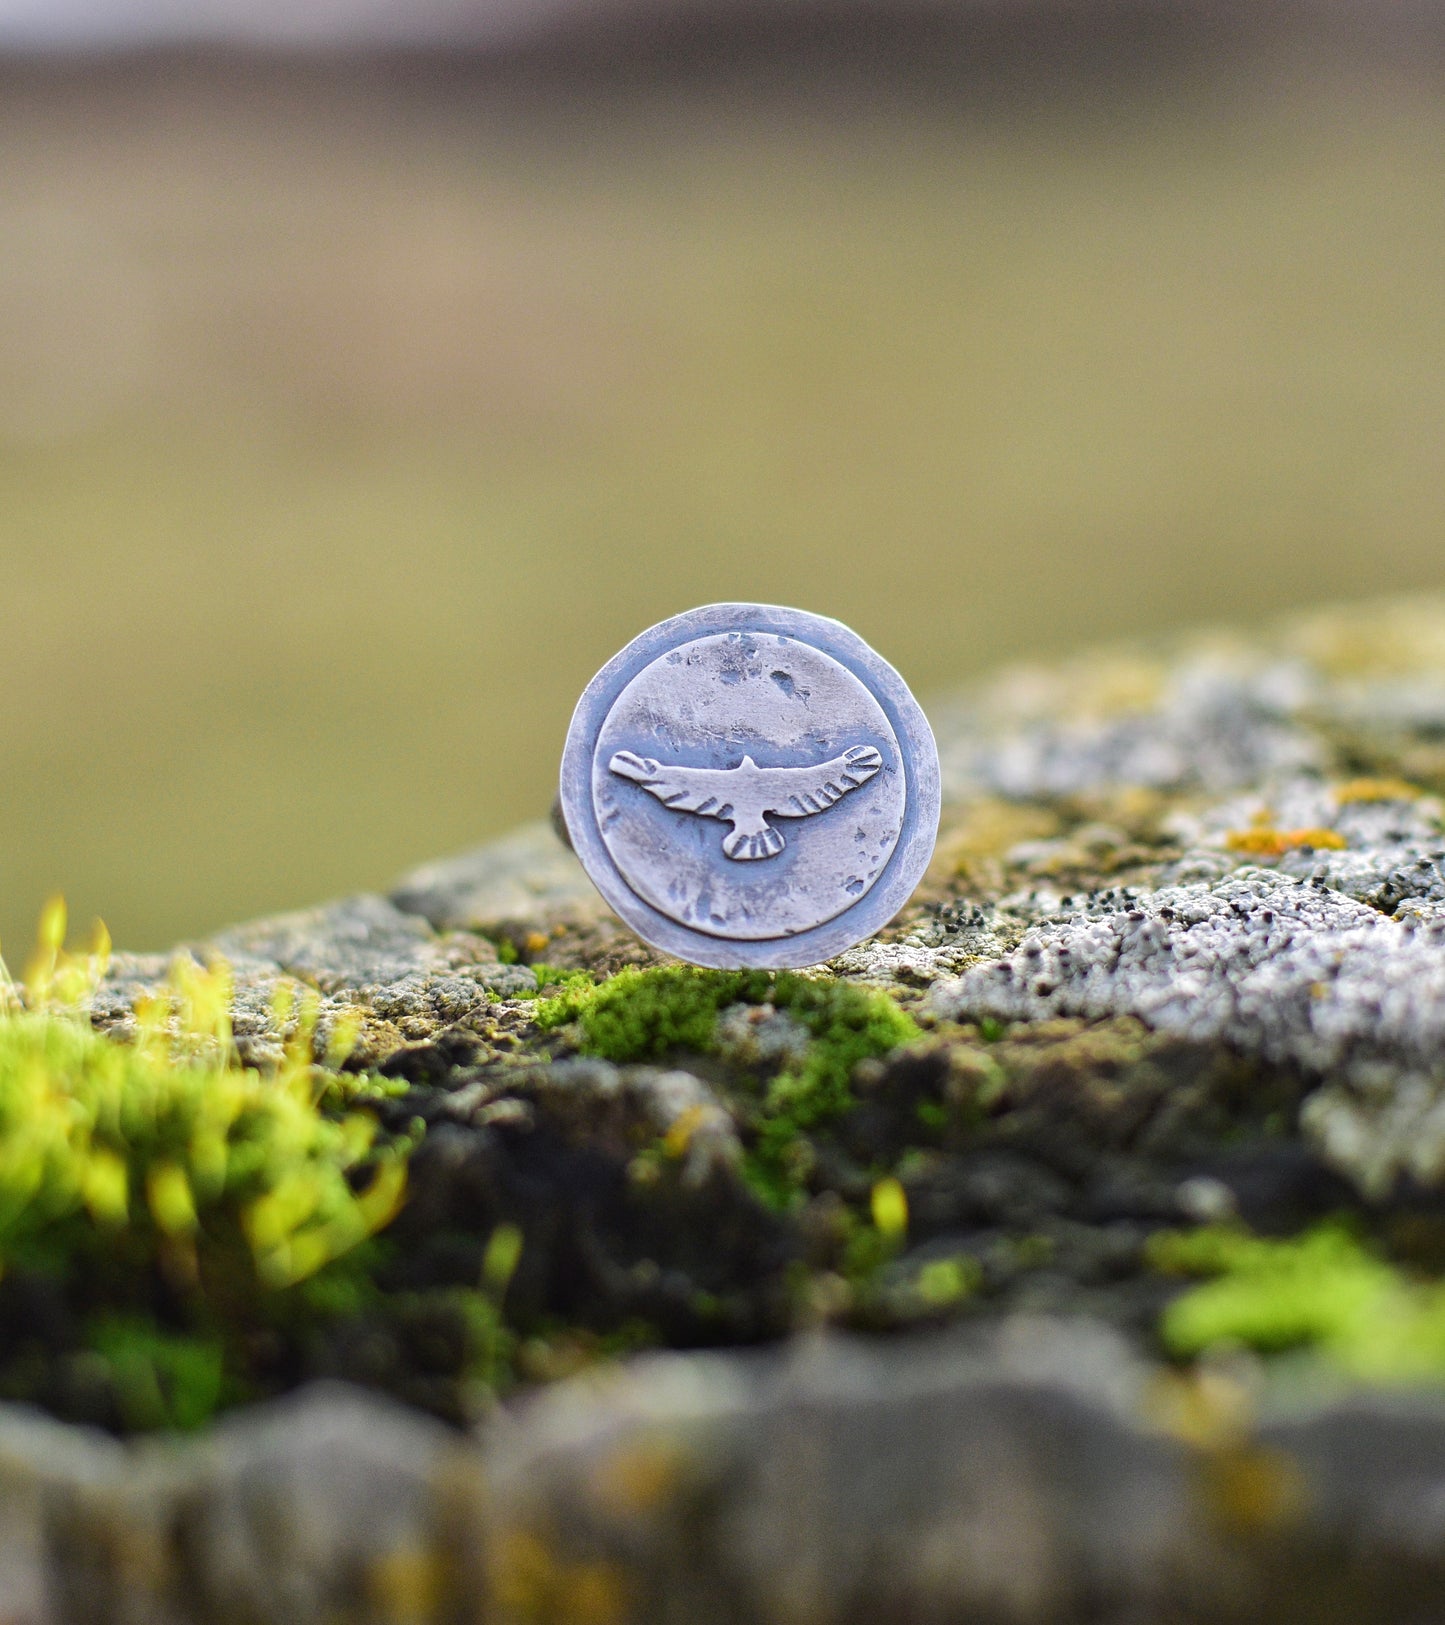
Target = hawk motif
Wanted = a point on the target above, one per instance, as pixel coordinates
(743, 795)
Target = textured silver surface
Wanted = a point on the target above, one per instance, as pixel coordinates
(750, 785)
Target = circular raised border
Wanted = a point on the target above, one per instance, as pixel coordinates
(921, 813)
(657, 850)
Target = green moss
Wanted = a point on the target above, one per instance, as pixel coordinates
(1325, 1290)
(460, 1330)
(643, 1015)
(173, 1200)
(160, 1379)
(865, 1252)
(560, 981)
(887, 1288)
(847, 1024)
(646, 1015)
(125, 1150)
(944, 1282)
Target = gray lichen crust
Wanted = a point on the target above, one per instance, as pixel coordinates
(1283, 969)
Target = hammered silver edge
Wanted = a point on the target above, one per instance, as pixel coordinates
(905, 868)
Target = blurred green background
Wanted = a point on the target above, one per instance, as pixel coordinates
(350, 418)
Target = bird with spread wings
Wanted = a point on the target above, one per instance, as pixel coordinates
(743, 795)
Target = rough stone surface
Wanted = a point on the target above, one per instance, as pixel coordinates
(329, 1505)
(1036, 1473)
(1279, 968)
(1211, 722)
(528, 881)
(362, 957)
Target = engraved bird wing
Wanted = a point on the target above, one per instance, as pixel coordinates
(707, 791)
(743, 795)
(799, 792)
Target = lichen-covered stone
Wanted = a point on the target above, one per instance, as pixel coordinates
(362, 958)
(1283, 969)
(1178, 968)
(363, 940)
(940, 945)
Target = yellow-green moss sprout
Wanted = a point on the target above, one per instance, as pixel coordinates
(1325, 1290)
(164, 1166)
(168, 1137)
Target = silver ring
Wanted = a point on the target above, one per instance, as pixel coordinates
(751, 786)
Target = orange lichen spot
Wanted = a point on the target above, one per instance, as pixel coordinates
(1263, 842)
(533, 1583)
(1254, 1489)
(407, 1584)
(536, 941)
(1377, 790)
(678, 1138)
(1257, 842)
(637, 1477)
(1208, 1409)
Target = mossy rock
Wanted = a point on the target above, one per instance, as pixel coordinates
(1155, 1053)
(1180, 958)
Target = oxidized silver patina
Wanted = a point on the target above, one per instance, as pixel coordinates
(751, 786)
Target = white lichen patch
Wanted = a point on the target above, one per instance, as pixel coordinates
(1287, 971)
(944, 945)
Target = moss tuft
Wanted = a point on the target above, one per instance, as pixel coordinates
(175, 1228)
(128, 1151)
(557, 980)
(645, 1015)
(160, 1379)
(1324, 1290)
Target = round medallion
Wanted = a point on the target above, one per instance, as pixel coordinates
(751, 786)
